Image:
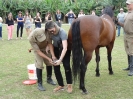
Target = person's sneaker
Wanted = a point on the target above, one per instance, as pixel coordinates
(40, 87)
(69, 88)
(126, 69)
(130, 73)
(50, 81)
(59, 88)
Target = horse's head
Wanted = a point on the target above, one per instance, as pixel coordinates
(109, 11)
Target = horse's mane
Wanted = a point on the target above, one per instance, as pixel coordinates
(109, 11)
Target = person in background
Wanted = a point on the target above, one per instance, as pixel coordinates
(39, 41)
(48, 17)
(93, 12)
(10, 25)
(58, 17)
(59, 37)
(120, 18)
(128, 36)
(1, 20)
(28, 22)
(81, 13)
(38, 20)
(71, 16)
(20, 20)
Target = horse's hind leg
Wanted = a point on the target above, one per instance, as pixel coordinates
(109, 57)
(82, 76)
(97, 61)
(83, 68)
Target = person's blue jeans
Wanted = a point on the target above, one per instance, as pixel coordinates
(0, 32)
(70, 20)
(18, 27)
(119, 30)
(38, 25)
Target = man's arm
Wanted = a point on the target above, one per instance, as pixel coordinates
(121, 24)
(44, 56)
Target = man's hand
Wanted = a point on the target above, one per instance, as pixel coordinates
(54, 58)
(51, 61)
(116, 22)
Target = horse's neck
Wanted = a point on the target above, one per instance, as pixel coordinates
(106, 17)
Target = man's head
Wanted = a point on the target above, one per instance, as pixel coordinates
(40, 36)
(129, 1)
(51, 27)
(129, 5)
(121, 9)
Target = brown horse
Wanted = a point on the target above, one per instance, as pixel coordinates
(89, 33)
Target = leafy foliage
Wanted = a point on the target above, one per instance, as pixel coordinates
(43, 6)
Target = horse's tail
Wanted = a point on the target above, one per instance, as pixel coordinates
(77, 54)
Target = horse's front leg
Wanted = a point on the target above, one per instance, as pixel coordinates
(97, 61)
(82, 79)
(109, 57)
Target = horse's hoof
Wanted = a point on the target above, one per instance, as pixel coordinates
(111, 73)
(84, 91)
(97, 75)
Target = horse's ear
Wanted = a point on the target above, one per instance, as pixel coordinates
(113, 8)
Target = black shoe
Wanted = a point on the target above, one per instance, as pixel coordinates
(40, 87)
(50, 81)
(130, 74)
(126, 69)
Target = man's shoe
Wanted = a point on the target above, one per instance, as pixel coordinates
(126, 69)
(50, 81)
(130, 74)
(40, 87)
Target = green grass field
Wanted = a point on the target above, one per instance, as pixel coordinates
(14, 58)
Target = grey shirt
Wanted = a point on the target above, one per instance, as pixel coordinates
(120, 17)
(62, 35)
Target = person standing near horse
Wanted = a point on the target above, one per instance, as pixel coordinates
(20, 20)
(58, 17)
(48, 17)
(39, 41)
(81, 13)
(59, 37)
(71, 16)
(93, 12)
(10, 25)
(128, 37)
(38, 20)
(1, 20)
(120, 18)
(28, 21)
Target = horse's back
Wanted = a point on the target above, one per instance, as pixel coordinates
(90, 29)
